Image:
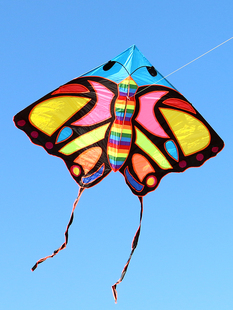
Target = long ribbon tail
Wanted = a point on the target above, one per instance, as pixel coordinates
(133, 247)
(63, 246)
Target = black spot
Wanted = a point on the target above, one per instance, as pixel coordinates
(152, 71)
(108, 65)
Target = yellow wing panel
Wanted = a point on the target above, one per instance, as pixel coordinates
(191, 133)
(51, 114)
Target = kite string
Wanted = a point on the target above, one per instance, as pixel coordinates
(199, 57)
(189, 63)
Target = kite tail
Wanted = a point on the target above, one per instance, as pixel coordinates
(133, 247)
(63, 246)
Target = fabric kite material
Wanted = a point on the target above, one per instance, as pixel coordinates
(122, 116)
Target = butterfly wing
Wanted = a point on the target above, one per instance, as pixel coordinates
(169, 136)
(73, 123)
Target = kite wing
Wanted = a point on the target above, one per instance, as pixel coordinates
(122, 116)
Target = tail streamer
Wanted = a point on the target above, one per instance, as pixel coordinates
(133, 247)
(63, 246)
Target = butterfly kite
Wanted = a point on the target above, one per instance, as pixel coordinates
(121, 116)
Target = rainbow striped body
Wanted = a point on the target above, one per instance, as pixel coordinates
(121, 131)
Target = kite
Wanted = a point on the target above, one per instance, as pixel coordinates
(121, 116)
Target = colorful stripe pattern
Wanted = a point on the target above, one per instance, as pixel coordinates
(121, 132)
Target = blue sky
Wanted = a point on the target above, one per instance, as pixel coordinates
(184, 259)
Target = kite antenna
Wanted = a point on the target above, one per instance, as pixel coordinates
(190, 62)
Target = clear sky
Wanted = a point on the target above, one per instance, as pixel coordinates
(184, 259)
